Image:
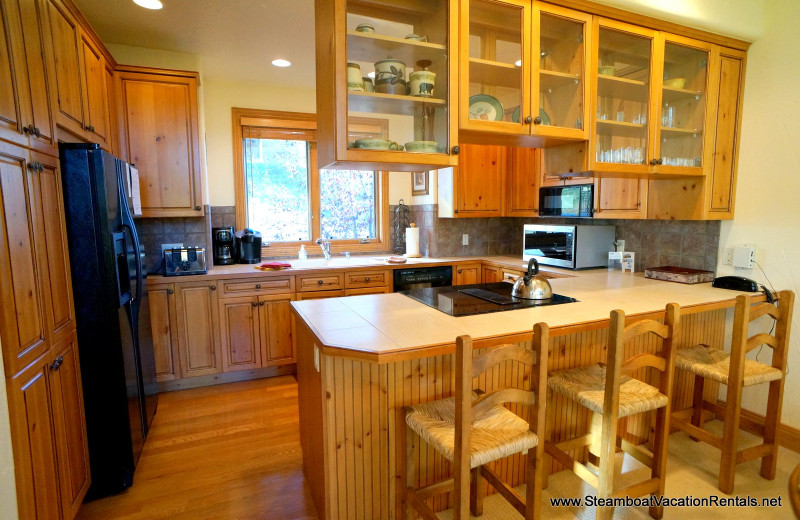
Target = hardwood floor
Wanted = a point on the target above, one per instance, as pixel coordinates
(223, 452)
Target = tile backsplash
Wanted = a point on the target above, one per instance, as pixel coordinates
(692, 244)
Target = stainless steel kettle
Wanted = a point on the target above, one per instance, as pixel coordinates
(532, 286)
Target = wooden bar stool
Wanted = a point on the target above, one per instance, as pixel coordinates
(470, 431)
(737, 372)
(610, 391)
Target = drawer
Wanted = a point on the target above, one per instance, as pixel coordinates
(357, 279)
(256, 286)
(511, 276)
(320, 282)
(316, 295)
(367, 290)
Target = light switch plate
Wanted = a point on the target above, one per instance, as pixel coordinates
(465, 239)
(743, 256)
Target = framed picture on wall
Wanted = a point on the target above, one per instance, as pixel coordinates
(419, 183)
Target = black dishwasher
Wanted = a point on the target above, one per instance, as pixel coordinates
(421, 277)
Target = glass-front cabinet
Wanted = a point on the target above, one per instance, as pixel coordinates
(385, 81)
(652, 102)
(624, 77)
(523, 68)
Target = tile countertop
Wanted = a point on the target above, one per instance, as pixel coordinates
(339, 263)
(387, 326)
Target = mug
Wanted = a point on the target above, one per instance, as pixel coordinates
(354, 81)
(389, 69)
(368, 86)
(422, 83)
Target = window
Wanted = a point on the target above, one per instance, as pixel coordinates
(281, 193)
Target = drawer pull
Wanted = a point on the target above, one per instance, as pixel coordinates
(261, 304)
(57, 363)
(255, 304)
(320, 282)
(258, 286)
(170, 291)
(213, 287)
(366, 279)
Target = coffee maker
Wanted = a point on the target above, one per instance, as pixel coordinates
(248, 245)
(224, 245)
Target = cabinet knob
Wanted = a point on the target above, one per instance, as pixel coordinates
(258, 286)
(261, 304)
(459, 271)
(653, 162)
(170, 291)
(213, 287)
(319, 282)
(660, 160)
(456, 150)
(255, 304)
(528, 120)
(537, 120)
(57, 363)
(366, 279)
(90, 128)
(197, 208)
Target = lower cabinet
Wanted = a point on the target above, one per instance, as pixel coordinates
(163, 316)
(197, 321)
(256, 332)
(491, 274)
(467, 274)
(48, 429)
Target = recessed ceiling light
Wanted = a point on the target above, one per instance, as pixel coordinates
(149, 4)
(281, 63)
(518, 63)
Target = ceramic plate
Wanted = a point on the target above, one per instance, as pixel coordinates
(485, 107)
(515, 115)
(544, 116)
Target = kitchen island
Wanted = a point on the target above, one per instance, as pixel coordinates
(361, 359)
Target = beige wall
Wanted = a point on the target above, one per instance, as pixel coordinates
(8, 491)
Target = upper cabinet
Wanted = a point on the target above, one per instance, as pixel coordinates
(523, 70)
(160, 135)
(386, 84)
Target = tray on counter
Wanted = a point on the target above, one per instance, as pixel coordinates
(671, 273)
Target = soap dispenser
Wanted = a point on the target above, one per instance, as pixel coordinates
(302, 255)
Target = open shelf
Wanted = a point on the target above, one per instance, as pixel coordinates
(671, 94)
(367, 47)
(621, 128)
(494, 73)
(552, 79)
(668, 132)
(622, 88)
(377, 103)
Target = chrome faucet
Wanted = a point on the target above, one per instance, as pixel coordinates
(325, 245)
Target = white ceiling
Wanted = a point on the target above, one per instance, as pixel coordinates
(235, 39)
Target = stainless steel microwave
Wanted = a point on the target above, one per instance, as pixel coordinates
(573, 247)
(576, 200)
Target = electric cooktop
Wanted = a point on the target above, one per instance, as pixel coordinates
(466, 300)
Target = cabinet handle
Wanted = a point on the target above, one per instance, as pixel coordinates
(57, 363)
(366, 279)
(653, 162)
(528, 120)
(213, 287)
(197, 208)
(30, 129)
(459, 271)
(319, 282)
(261, 304)
(170, 291)
(258, 286)
(33, 166)
(537, 120)
(660, 161)
(596, 210)
(37, 132)
(255, 304)
(456, 150)
(90, 128)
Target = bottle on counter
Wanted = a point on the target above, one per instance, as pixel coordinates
(302, 255)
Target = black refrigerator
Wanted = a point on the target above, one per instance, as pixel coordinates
(112, 313)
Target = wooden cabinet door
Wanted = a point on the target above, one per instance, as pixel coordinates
(54, 246)
(22, 277)
(95, 94)
(620, 198)
(163, 320)
(69, 425)
(32, 436)
(490, 274)
(480, 176)
(160, 126)
(66, 49)
(467, 274)
(11, 43)
(198, 328)
(239, 333)
(522, 183)
(277, 341)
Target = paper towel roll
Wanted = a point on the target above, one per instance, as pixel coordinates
(412, 242)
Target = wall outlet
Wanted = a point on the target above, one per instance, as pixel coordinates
(465, 239)
(170, 246)
(744, 256)
(728, 258)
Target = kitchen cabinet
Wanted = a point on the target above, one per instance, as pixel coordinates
(320, 282)
(51, 460)
(197, 321)
(160, 134)
(491, 274)
(277, 334)
(466, 274)
(423, 123)
(522, 183)
(163, 320)
(524, 67)
(317, 295)
(95, 92)
(620, 198)
(26, 70)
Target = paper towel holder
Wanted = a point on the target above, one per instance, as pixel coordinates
(412, 242)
